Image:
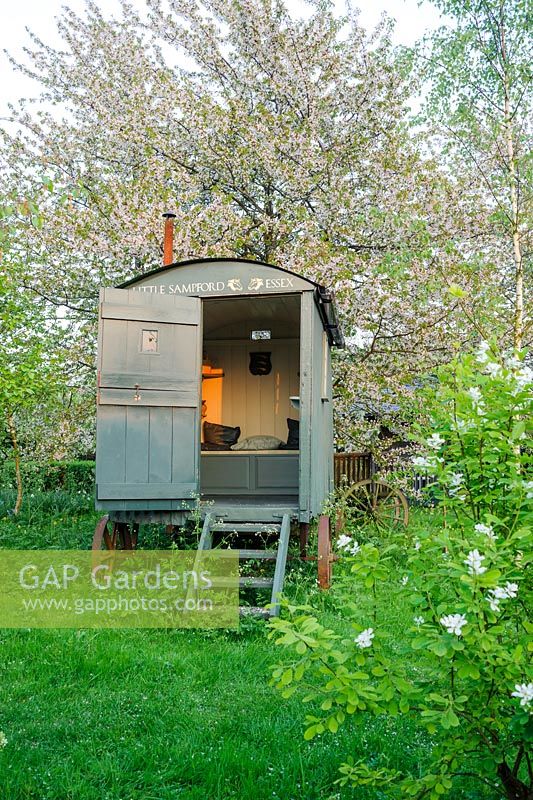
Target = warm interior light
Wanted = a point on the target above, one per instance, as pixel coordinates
(212, 372)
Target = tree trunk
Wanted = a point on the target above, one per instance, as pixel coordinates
(514, 788)
(16, 452)
(518, 319)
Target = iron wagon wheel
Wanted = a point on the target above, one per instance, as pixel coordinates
(374, 501)
(123, 536)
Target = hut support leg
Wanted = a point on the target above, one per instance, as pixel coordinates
(324, 552)
(304, 538)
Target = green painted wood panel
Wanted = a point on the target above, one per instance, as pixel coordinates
(249, 473)
(277, 472)
(147, 397)
(160, 460)
(225, 474)
(141, 491)
(137, 453)
(322, 419)
(124, 364)
(308, 312)
(141, 313)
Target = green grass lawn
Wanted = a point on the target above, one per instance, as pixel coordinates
(160, 715)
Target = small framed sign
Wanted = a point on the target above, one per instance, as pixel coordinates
(149, 341)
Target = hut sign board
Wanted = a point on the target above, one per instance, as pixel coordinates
(234, 285)
(230, 279)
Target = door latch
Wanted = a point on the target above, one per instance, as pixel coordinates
(137, 396)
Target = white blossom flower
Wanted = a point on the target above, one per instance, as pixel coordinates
(463, 425)
(346, 543)
(420, 461)
(494, 369)
(435, 441)
(343, 541)
(475, 394)
(528, 486)
(427, 462)
(365, 638)
(523, 377)
(405, 580)
(455, 485)
(525, 692)
(482, 352)
(417, 544)
(487, 530)
(3, 740)
(473, 562)
(499, 593)
(479, 404)
(512, 362)
(454, 623)
(494, 602)
(456, 479)
(419, 621)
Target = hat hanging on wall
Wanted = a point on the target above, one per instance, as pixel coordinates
(260, 363)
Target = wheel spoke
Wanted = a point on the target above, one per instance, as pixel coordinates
(376, 501)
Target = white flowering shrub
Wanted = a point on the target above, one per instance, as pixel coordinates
(469, 590)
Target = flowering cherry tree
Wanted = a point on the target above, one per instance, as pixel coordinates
(273, 138)
(467, 584)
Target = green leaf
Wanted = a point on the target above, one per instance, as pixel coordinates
(449, 719)
(518, 429)
(333, 725)
(287, 676)
(456, 291)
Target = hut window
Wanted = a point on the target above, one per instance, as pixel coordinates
(149, 341)
(255, 335)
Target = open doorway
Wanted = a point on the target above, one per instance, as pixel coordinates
(250, 372)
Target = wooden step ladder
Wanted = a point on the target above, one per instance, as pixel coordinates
(212, 524)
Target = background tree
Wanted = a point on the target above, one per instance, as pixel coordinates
(29, 368)
(480, 73)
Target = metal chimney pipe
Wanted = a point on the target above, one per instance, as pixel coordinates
(168, 243)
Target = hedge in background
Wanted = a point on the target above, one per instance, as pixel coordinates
(53, 476)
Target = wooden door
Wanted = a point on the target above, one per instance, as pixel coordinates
(149, 398)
